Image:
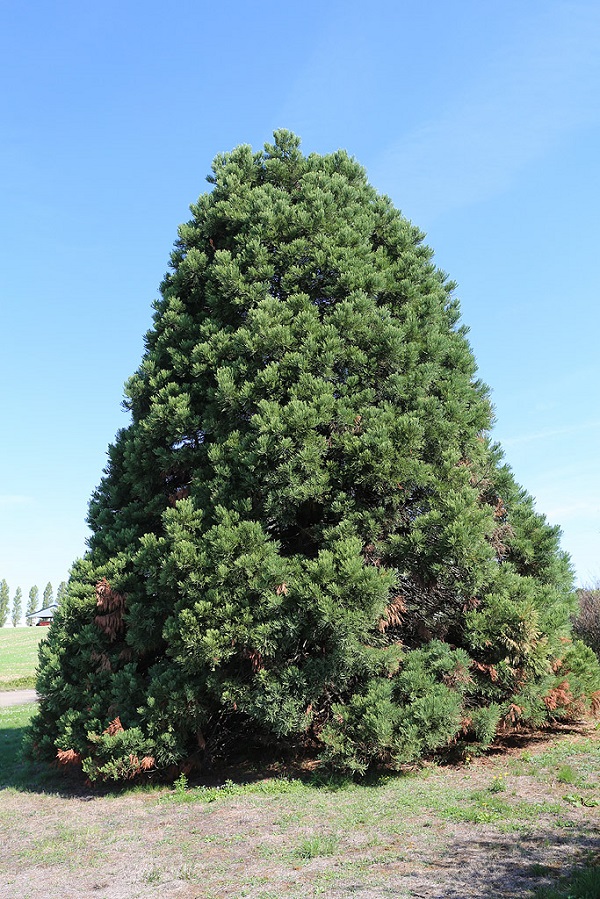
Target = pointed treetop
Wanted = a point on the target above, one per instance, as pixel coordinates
(286, 145)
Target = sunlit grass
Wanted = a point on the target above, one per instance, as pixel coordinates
(582, 884)
(19, 656)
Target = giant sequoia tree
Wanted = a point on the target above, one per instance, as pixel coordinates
(305, 535)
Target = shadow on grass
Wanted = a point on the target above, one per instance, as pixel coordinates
(543, 864)
(20, 773)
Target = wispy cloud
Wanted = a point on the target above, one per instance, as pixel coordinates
(546, 83)
(584, 427)
(9, 500)
(584, 510)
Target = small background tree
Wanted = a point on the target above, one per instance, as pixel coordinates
(4, 603)
(586, 624)
(48, 595)
(17, 607)
(32, 604)
(61, 592)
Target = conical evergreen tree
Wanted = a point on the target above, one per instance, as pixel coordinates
(305, 535)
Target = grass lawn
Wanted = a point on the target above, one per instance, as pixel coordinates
(18, 656)
(519, 823)
(13, 722)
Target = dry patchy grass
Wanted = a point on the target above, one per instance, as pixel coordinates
(507, 825)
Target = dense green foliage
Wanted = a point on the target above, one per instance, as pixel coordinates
(305, 536)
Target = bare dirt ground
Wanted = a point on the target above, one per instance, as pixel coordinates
(433, 835)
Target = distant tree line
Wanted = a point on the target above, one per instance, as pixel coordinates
(14, 611)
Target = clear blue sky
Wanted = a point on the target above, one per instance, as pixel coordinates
(480, 120)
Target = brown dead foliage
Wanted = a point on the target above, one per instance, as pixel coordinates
(500, 538)
(486, 669)
(114, 727)
(138, 766)
(512, 716)
(500, 510)
(471, 603)
(371, 556)
(562, 697)
(103, 661)
(68, 757)
(465, 725)
(559, 696)
(111, 606)
(393, 615)
(255, 659)
(458, 676)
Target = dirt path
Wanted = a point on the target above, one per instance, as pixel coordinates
(17, 697)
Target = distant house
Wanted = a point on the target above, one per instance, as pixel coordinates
(44, 616)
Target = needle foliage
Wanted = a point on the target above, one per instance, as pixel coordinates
(305, 537)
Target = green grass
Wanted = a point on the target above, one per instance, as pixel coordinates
(271, 787)
(365, 827)
(313, 847)
(566, 775)
(583, 884)
(17, 772)
(19, 656)
(417, 794)
(13, 722)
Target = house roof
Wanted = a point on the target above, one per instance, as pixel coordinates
(48, 612)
